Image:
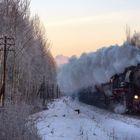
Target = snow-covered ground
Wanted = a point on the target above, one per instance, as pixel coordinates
(62, 122)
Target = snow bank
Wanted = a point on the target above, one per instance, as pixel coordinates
(96, 67)
(61, 122)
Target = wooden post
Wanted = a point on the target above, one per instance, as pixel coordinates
(4, 70)
(4, 42)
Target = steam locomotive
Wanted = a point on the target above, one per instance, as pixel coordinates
(123, 88)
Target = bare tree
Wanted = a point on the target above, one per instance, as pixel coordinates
(33, 61)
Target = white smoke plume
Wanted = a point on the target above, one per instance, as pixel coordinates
(120, 109)
(96, 67)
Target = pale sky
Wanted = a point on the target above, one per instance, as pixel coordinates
(77, 26)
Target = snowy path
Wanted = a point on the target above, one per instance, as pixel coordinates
(61, 122)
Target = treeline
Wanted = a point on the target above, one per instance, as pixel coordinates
(31, 64)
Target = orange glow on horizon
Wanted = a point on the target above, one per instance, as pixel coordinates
(76, 36)
(77, 26)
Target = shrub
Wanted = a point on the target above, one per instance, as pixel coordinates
(13, 123)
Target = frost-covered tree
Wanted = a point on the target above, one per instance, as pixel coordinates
(134, 39)
(32, 63)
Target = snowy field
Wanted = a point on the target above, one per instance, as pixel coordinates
(62, 122)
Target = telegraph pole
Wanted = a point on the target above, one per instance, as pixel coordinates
(5, 43)
(4, 69)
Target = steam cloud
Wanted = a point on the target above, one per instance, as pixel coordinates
(96, 67)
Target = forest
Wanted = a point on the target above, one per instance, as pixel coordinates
(27, 69)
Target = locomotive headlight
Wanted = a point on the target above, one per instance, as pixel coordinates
(136, 97)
